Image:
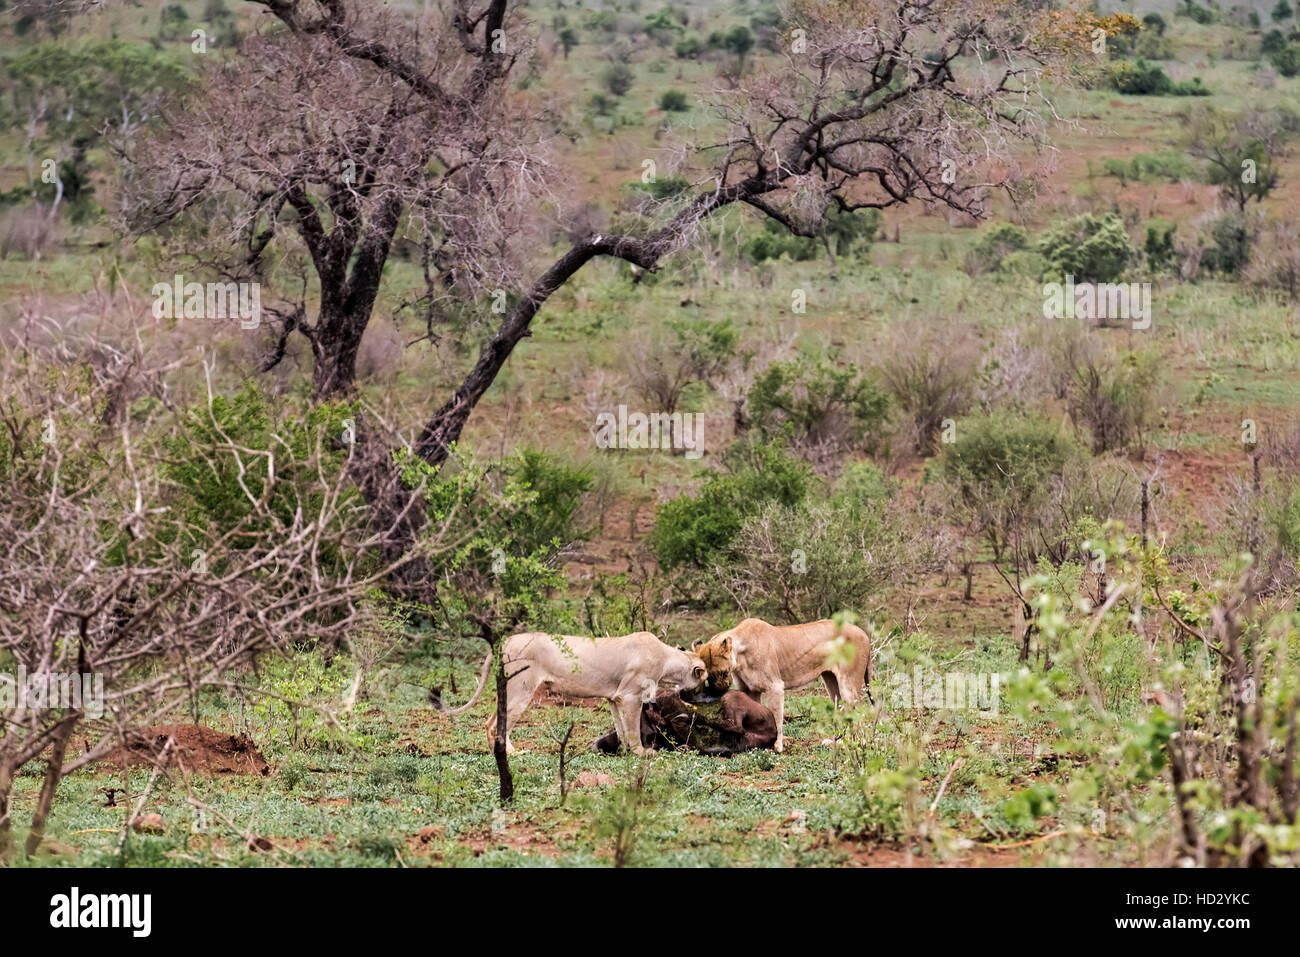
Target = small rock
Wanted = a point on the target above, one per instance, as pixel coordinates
(148, 824)
(589, 779)
(258, 843)
(427, 834)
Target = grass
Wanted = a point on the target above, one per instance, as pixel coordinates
(407, 768)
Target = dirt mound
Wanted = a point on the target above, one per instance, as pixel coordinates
(198, 750)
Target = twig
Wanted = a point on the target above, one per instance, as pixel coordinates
(1036, 840)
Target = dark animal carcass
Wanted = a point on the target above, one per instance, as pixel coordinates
(722, 726)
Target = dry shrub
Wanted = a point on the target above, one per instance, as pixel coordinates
(28, 231)
(932, 378)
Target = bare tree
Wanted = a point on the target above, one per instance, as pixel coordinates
(874, 103)
(117, 605)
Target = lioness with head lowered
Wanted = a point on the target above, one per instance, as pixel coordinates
(626, 670)
(768, 659)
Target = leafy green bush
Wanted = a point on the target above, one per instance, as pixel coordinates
(1226, 243)
(173, 21)
(281, 448)
(550, 519)
(695, 529)
(618, 78)
(1001, 466)
(993, 245)
(851, 230)
(1194, 11)
(689, 48)
(812, 404)
(664, 187)
(1142, 78)
(1159, 245)
(1287, 60)
(1090, 248)
(776, 241)
(1272, 42)
(817, 558)
(1170, 165)
(673, 101)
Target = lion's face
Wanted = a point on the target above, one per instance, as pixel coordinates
(719, 662)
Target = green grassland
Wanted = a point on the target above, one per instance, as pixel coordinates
(899, 785)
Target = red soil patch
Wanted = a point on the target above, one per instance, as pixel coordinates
(896, 855)
(197, 750)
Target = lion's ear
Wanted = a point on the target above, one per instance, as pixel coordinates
(724, 645)
(696, 644)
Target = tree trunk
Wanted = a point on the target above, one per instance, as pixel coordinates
(53, 773)
(499, 743)
(441, 431)
(334, 348)
(6, 791)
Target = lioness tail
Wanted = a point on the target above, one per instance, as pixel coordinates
(436, 697)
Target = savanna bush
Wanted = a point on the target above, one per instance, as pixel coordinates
(1001, 468)
(843, 552)
(818, 409)
(697, 529)
(1114, 395)
(931, 378)
(992, 246)
(775, 241)
(673, 101)
(1088, 247)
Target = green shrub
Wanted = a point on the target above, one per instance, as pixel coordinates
(664, 187)
(1194, 11)
(851, 230)
(1227, 242)
(1140, 79)
(776, 241)
(1168, 165)
(550, 519)
(688, 49)
(993, 245)
(618, 78)
(1159, 246)
(1272, 42)
(218, 493)
(1090, 248)
(695, 529)
(817, 558)
(1001, 467)
(673, 101)
(812, 404)
(1287, 60)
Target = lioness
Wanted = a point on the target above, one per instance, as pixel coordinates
(768, 659)
(626, 670)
